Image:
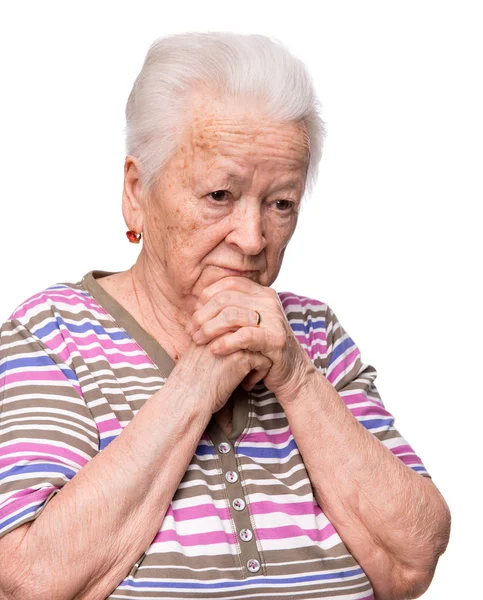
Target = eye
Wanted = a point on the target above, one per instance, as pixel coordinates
(286, 205)
(218, 195)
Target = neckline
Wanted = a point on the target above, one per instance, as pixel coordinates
(152, 347)
(159, 356)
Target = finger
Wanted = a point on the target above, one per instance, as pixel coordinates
(253, 378)
(245, 338)
(229, 319)
(214, 306)
(243, 284)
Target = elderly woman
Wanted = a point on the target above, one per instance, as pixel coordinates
(179, 429)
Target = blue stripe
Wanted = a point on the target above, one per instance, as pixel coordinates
(235, 584)
(203, 450)
(260, 452)
(340, 349)
(36, 361)
(83, 328)
(103, 442)
(373, 423)
(308, 326)
(38, 468)
(18, 516)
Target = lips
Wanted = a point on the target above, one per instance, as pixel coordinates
(238, 272)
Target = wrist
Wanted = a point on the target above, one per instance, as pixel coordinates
(299, 386)
(183, 402)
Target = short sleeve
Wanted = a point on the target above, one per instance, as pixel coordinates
(336, 354)
(47, 433)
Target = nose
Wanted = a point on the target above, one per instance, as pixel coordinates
(247, 233)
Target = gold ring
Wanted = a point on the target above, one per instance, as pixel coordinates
(259, 318)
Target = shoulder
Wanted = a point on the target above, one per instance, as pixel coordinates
(51, 307)
(304, 314)
(309, 319)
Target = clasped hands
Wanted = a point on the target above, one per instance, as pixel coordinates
(225, 317)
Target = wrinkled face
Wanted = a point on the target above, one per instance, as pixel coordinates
(229, 197)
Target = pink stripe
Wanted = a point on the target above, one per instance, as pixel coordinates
(413, 460)
(198, 512)
(365, 411)
(344, 364)
(290, 298)
(12, 460)
(105, 343)
(116, 358)
(38, 496)
(108, 426)
(320, 335)
(302, 339)
(265, 507)
(44, 297)
(291, 531)
(266, 438)
(30, 375)
(50, 451)
(22, 493)
(402, 449)
(407, 450)
(64, 354)
(196, 539)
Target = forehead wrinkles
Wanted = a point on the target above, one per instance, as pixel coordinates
(228, 135)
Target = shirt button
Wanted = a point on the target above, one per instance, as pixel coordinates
(238, 504)
(231, 476)
(253, 565)
(224, 448)
(246, 535)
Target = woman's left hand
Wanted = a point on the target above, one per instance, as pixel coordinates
(230, 304)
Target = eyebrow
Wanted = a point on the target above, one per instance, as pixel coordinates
(233, 178)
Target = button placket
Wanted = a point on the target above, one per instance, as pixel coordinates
(224, 448)
(231, 476)
(246, 535)
(243, 527)
(238, 504)
(253, 565)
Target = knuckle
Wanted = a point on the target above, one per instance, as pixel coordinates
(232, 315)
(219, 299)
(244, 335)
(280, 340)
(203, 297)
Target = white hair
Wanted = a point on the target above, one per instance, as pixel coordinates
(237, 65)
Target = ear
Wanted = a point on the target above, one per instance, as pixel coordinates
(132, 195)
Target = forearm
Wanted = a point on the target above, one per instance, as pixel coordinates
(393, 520)
(90, 534)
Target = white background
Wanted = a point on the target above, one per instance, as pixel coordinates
(393, 227)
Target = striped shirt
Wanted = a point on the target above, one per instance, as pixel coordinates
(75, 368)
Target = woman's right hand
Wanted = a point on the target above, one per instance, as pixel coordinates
(213, 378)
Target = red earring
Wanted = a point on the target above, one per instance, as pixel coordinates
(133, 237)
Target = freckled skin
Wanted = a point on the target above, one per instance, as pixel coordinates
(244, 231)
(188, 234)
